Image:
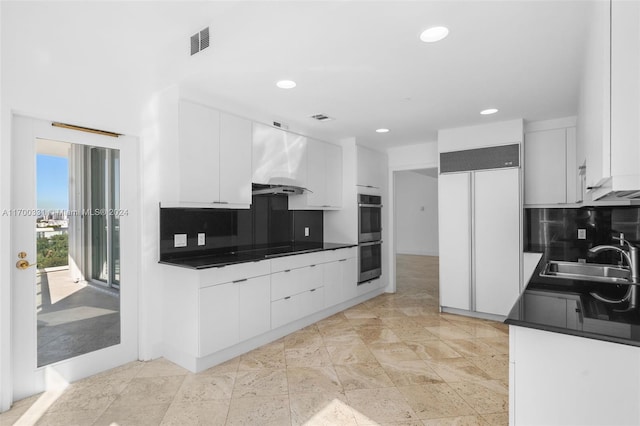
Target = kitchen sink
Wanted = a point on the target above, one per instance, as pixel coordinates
(587, 271)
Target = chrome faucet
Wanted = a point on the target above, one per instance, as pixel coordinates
(631, 256)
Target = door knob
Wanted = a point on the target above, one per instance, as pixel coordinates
(23, 263)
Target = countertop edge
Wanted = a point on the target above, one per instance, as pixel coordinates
(577, 333)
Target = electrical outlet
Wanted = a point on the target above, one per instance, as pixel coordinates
(306, 231)
(179, 240)
(582, 234)
(201, 239)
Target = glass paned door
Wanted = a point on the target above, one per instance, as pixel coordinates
(65, 325)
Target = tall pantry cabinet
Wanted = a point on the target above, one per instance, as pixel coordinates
(480, 213)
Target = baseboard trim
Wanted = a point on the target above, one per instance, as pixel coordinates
(418, 253)
(481, 315)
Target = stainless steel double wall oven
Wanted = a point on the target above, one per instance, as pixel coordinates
(369, 237)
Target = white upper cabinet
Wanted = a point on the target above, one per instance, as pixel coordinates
(608, 124)
(214, 149)
(625, 95)
(550, 170)
(324, 178)
(372, 170)
(279, 157)
(235, 155)
(333, 175)
(199, 151)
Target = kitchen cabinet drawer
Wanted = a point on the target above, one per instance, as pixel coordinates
(335, 255)
(297, 261)
(293, 308)
(230, 273)
(294, 281)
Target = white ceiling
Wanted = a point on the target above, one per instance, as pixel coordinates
(359, 62)
(363, 64)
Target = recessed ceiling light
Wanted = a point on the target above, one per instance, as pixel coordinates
(286, 84)
(488, 111)
(433, 34)
(382, 130)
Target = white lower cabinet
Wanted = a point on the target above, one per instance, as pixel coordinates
(232, 312)
(211, 310)
(218, 318)
(254, 307)
(558, 379)
(340, 281)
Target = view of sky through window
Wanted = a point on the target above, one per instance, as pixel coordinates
(52, 182)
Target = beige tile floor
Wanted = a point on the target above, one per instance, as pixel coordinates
(393, 360)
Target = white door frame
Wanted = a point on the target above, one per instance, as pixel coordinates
(91, 363)
(391, 225)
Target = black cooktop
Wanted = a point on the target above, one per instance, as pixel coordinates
(247, 254)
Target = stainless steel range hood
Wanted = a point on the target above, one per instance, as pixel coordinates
(616, 190)
(277, 189)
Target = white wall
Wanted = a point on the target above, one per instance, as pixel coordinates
(413, 157)
(70, 62)
(483, 135)
(416, 207)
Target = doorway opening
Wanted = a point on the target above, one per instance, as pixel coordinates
(415, 229)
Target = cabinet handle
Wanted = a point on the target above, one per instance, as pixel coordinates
(342, 260)
(313, 289)
(287, 270)
(312, 266)
(287, 298)
(220, 202)
(239, 281)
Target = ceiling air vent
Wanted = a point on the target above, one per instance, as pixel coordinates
(199, 41)
(321, 117)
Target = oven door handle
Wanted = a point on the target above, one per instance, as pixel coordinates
(372, 243)
(370, 205)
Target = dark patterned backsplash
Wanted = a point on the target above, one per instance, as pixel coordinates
(268, 222)
(555, 231)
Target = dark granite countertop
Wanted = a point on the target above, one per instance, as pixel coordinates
(566, 306)
(247, 254)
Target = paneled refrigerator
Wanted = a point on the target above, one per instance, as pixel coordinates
(480, 214)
